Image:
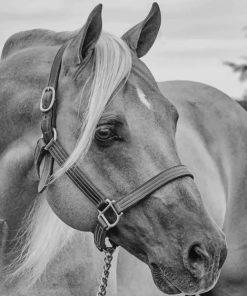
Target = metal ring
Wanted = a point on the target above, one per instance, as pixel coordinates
(54, 134)
(101, 215)
(46, 89)
(47, 147)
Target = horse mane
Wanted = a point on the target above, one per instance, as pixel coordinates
(43, 235)
(34, 38)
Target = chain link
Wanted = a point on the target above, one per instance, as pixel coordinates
(105, 275)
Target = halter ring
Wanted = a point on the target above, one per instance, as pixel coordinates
(45, 90)
(102, 218)
(52, 140)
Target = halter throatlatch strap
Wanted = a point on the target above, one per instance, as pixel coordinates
(49, 149)
(48, 122)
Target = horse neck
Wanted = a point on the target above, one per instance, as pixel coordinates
(18, 141)
(35, 38)
(235, 168)
(23, 133)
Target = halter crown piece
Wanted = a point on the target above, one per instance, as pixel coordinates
(49, 149)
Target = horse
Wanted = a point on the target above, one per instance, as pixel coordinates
(211, 140)
(107, 119)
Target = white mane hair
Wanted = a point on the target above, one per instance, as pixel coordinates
(112, 67)
(43, 234)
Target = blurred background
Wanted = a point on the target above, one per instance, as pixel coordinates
(201, 40)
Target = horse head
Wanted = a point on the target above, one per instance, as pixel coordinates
(120, 130)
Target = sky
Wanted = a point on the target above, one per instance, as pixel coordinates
(195, 38)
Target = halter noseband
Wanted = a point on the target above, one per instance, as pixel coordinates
(49, 148)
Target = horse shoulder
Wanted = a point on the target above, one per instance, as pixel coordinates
(214, 134)
(207, 138)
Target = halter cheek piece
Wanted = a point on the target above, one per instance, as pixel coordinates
(49, 149)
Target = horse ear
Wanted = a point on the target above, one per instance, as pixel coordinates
(141, 37)
(88, 36)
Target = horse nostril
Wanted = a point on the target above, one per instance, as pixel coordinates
(196, 254)
(197, 260)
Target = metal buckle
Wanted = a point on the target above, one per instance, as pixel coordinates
(46, 89)
(52, 140)
(110, 204)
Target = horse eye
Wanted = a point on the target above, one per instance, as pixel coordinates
(105, 133)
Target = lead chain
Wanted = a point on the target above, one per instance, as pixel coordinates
(105, 275)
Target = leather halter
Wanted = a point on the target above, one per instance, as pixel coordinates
(49, 149)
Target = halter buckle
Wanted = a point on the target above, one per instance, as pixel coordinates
(42, 103)
(54, 138)
(102, 218)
